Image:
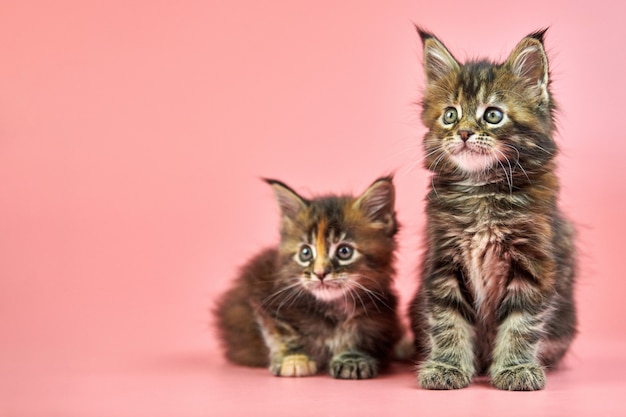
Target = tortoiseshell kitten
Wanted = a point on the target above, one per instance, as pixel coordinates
(323, 299)
(496, 287)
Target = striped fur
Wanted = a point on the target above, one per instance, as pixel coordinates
(323, 299)
(496, 293)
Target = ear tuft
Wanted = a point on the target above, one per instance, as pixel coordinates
(539, 34)
(530, 63)
(289, 201)
(424, 34)
(438, 61)
(377, 203)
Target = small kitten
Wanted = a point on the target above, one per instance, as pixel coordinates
(496, 293)
(322, 299)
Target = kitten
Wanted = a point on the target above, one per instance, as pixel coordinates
(496, 287)
(322, 299)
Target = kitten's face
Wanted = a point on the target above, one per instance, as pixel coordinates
(487, 120)
(327, 260)
(337, 247)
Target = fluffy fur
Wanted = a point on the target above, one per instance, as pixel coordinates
(496, 293)
(322, 299)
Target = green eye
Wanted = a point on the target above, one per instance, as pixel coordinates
(493, 116)
(305, 254)
(345, 252)
(450, 116)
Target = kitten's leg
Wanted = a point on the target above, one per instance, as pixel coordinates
(560, 328)
(348, 360)
(287, 355)
(353, 365)
(450, 364)
(361, 347)
(515, 365)
(559, 331)
(294, 364)
(450, 361)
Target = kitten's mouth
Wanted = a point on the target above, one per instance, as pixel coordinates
(326, 290)
(471, 159)
(468, 149)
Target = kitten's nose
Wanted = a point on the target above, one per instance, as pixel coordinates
(465, 134)
(321, 273)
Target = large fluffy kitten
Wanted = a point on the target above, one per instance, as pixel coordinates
(323, 299)
(496, 289)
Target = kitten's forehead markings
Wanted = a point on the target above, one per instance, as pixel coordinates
(332, 236)
(320, 238)
(460, 97)
(320, 244)
(481, 94)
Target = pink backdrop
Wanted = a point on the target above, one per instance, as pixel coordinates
(132, 139)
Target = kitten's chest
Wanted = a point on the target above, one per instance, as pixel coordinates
(339, 338)
(485, 259)
(324, 338)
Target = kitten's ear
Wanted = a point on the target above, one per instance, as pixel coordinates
(438, 61)
(289, 201)
(530, 62)
(377, 203)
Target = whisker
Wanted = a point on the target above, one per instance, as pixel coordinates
(433, 167)
(280, 292)
(372, 294)
(291, 297)
(508, 175)
(284, 294)
(417, 162)
(352, 294)
(367, 292)
(299, 293)
(517, 161)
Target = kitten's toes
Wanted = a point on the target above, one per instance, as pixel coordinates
(439, 375)
(525, 377)
(353, 365)
(294, 365)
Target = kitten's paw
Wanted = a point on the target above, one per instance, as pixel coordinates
(526, 377)
(439, 375)
(294, 365)
(353, 365)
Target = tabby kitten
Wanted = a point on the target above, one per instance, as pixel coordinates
(322, 299)
(496, 287)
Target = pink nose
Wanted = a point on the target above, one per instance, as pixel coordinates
(465, 134)
(321, 274)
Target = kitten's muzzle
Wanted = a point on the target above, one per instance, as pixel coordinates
(321, 273)
(465, 134)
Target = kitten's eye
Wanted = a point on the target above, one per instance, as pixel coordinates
(305, 254)
(450, 116)
(345, 252)
(493, 116)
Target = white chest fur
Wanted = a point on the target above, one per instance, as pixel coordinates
(487, 264)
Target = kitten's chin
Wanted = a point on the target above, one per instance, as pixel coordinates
(325, 292)
(472, 162)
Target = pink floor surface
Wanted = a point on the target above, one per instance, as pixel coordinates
(201, 383)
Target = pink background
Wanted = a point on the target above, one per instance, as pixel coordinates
(132, 138)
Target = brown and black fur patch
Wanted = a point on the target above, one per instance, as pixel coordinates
(496, 293)
(322, 299)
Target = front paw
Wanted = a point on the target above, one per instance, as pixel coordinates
(525, 377)
(353, 365)
(439, 375)
(294, 365)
